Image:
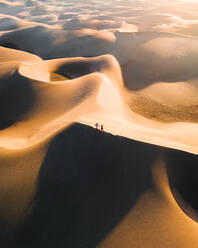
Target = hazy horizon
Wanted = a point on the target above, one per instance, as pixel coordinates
(148, 15)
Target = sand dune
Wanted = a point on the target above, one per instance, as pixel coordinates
(65, 65)
(100, 78)
(58, 98)
(78, 206)
(157, 212)
(10, 23)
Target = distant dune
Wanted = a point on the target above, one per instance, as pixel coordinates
(67, 65)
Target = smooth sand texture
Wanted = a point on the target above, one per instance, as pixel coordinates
(44, 108)
(133, 69)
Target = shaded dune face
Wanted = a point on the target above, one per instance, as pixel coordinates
(89, 181)
(167, 61)
(160, 58)
(65, 184)
(153, 58)
(13, 107)
(8, 24)
(75, 69)
(53, 95)
(86, 184)
(148, 67)
(182, 172)
(9, 45)
(59, 43)
(16, 36)
(78, 67)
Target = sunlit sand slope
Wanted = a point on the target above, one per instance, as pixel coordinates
(130, 66)
(85, 188)
(69, 184)
(95, 92)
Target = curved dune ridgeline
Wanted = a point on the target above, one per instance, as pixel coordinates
(131, 68)
(102, 197)
(69, 184)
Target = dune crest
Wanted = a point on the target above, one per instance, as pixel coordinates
(90, 78)
(98, 124)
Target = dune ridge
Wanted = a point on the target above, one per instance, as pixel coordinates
(110, 96)
(91, 190)
(67, 65)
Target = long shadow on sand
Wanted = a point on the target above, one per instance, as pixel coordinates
(15, 90)
(88, 181)
(182, 170)
(138, 75)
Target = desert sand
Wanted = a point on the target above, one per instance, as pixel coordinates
(133, 69)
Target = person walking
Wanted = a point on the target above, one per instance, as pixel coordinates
(102, 128)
